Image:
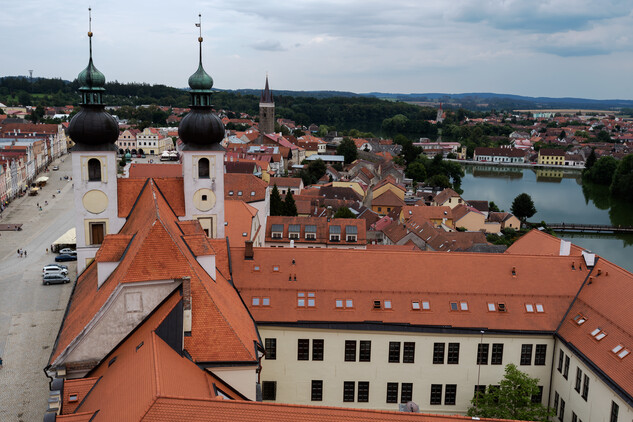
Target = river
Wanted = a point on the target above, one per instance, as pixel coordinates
(558, 196)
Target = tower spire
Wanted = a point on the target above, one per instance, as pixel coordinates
(199, 25)
(90, 30)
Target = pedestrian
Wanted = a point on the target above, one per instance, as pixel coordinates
(19, 254)
(38, 204)
(25, 253)
(46, 250)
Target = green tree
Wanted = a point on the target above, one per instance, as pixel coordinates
(276, 204)
(416, 171)
(289, 206)
(438, 180)
(313, 172)
(591, 160)
(512, 399)
(523, 207)
(602, 171)
(492, 207)
(344, 212)
(347, 148)
(603, 136)
(622, 185)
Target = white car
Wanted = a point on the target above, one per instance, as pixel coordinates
(68, 251)
(54, 269)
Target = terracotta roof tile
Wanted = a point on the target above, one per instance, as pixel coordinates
(535, 242)
(387, 198)
(443, 196)
(252, 187)
(238, 216)
(144, 171)
(78, 388)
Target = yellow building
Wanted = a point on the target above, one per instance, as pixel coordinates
(551, 156)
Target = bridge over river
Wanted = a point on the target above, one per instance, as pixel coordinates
(589, 228)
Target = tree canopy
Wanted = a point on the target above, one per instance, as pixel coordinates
(347, 148)
(523, 207)
(313, 172)
(514, 398)
(602, 171)
(344, 212)
(276, 204)
(622, 184)
(289, 206)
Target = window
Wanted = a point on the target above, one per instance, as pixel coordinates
(561, 356)
(294, 231)
(580, 319)
(415, 305)
(270, 345)
(492, 307)
(349, 303)
(450, 394)
(438, 353)
(350, 350)
(426, 305)
(480, 390)
(574, 417)
(392, 392)
(97, 233)
(453, 354)
(537, 398)
(73, 398)
(561, 414)
(348, 391)
(526, 354)
(256, 301)
(269, 390)
(203, 168)
(317, 349)
(539, 308)
(344, 303)
(265, 301)
(303, 349)
(408, 354)
(566, 369)
(204, 197)
(436, 393)
(94, 170)
(620, 351)
(301, 301)
(277, 231)
(335, 233)
(387, 304)
(407, 392)
(454, 306)
(394, 351)
(540, 354)
(363, 391)
(615, 409)
(585, 388)
(556, 398)
(351, 233)
(463, 306)
(529, 307)
(364, 353)
(311, 300)
(482, 353)
(317, 390)
(497, 354)
(578, 379)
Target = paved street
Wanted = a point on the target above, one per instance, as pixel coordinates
(30, 313)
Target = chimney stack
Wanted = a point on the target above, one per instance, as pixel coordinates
(249, 253)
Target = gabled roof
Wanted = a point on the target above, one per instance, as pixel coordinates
(160, 250)
(443, 196)
(388, 198)
(172, 188)
(423, 212)
(239, 220)
(535, 242)
(462, 210)
(143, 171)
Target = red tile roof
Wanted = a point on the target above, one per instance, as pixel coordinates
(369, 275)
(387, 199)
(247, 184)
(144, 171)
(239, 220)
(322, 226)
(535, 242)
(172, 188)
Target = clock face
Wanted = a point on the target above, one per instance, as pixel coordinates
(95, 201)
(204, 199)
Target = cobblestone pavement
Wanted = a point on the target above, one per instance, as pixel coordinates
(31, 313)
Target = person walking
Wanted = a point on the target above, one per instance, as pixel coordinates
(25, 253)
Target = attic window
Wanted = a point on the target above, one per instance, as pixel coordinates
(539, 308)
(301, 302)
(239, 193)
(339, 303)
(256, 268)
(311, 299)
(140, 345)
(580, 319)
(265, 301)
(463, 306)
(415, 305)
(204, 197)
(529, 307)
(598, 334)
(426, 305)
(387, 304)
(256, 301)
(73, 398)
(454, 306)
(253, 193)
(620, 351)
(349, 303)
(230, 193)
(501, 307)
(276, 269)
(377, 304)
(492, 307)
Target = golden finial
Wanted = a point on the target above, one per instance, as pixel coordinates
(90, 22)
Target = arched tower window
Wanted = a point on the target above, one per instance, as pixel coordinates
(203, 168)
(94, 170)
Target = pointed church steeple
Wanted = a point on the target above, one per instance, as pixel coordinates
(92, 125)
(267, 95)
(266, 111)
(201, 128)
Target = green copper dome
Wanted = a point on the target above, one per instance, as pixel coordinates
(90, 78)
(201, 81)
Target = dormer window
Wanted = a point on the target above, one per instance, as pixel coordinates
(203, 168)
(335, 233)
(351, 233)
(73, 398)
(310, 231)
(294, 231)
(277, 231)
(239, 193)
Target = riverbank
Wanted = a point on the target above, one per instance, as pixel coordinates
(578, 169)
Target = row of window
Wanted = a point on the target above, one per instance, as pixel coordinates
(360, 350)
(240, 193)
(358, 391)
(294, 232)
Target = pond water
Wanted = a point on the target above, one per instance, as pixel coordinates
(559, 196)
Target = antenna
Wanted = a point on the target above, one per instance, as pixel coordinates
(199, 25)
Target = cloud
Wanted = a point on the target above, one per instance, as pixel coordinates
(267, 45)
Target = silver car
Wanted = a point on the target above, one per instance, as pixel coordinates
(55, 279)
(54, 269)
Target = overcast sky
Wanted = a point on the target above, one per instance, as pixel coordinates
(557, 48)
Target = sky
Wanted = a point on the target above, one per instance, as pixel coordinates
(554, 48)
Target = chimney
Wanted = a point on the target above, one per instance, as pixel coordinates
(186, 306)
(249, 253)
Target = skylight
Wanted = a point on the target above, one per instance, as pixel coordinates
(596, 331)
(339, 303)
(266, 301)
(387, 304)
(529, 307)
(464, 306)
(539, 308)
(623, 353)
(415, 305)
(492, 307)
(255, 301)
(349, 303)
(454, 306)
(580, 319)
(426, 305)
(617, 348)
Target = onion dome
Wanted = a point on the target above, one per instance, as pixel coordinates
(93, 127)
(201, 128)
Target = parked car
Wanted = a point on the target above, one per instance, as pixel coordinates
(55, 279)
(60, 266)
(65, 257)
(68, 251)
(55, 168)
(54, 269)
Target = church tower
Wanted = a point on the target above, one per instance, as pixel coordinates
(201, 131)
(266, 111)
(94, 165)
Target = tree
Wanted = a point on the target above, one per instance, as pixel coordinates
(416, 171)
(622, 185)
(591, 160)
(602, 172)
(562, 134)
(289, 206)
(344, 212)
(313, 172)
(512, 399)
(523, 207)
(276, 204)
(347, 148)
(492, 207)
